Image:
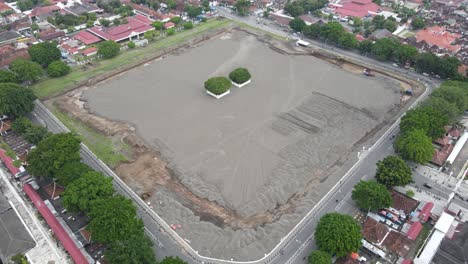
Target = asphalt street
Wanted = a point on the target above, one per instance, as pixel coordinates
(296, 246)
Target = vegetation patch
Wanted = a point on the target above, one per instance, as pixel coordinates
(109, 151)
(240, 75)
(218, 85)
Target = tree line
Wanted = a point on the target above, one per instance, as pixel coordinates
(422, 125)
(385, 49)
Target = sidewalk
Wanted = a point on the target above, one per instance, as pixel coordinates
(46, 250)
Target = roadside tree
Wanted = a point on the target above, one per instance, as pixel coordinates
(297, 24)
(415, 146)
(440, 104)
(172, 260)
(52, 153)
(383, 49)
(32, 133)
(371, 195)
(133, 250)
(15, 100)
(81, 193)
(158, 25)
(242, 7)
(454, 92)
(26, 70)
(320, 257)
(108, 49)
(193, 11)
(405, 53)
(71, 171)
(338, 234)
(7, 77)
(58, 69)
(114, 219)
(393, 171)
(44, 53)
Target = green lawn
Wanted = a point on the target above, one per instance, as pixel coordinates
(51, 86)
(111, 152)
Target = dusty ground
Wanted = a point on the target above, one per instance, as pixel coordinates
(237, 172)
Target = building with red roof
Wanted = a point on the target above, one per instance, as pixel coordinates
(414, 230)
(134, 28)
(41, 10)
(60, 232)
(4, 7)
(8, 162)
(425, 212)
(86, 37)
(440, 37)
(356, 8)
(169, 25)
(441, 155)
(90, 51)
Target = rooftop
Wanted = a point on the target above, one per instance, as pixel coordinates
(439, 37)
(86, 38)
(414, 231)
(357, 8)
(454, 250)
(398, 243)
(403, 202)
(121, 32)
(9, 35)
(14, 236)
(374, 231)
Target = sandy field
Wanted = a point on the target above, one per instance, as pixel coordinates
(265, 154)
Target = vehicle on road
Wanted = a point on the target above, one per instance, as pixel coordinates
(427, 185)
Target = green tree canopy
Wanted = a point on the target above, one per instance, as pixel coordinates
(454, 92)
(218, 85)
(26, 70)
(58, 69)
(415, 146)
(371, 195)
(297, 24)
(312, 31)
(405, 53)
(108, 49)
(81, 193)
(8, 77)
(439, 104)
(53, 153)
(104, 22)
(15, 100)
(158, 25)
(44, 53)
(114, 219)
(383, 49)
(427, 119)
(365, 47)
(172, 260)
(320, 257)
(188, 25)
(71, 171)
(176, 19)
(240, 75)
(418, 23)
(393, 171)
(193, 11)
(134, 249)
(338, 234)
(242, 7)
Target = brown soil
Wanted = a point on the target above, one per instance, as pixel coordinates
(146, 172)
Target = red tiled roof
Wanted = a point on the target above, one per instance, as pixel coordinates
(456, 133)
(414, 230)
(280, 19)
(56, 227)
(4, 7)
(169, 25)
(86, 38)
(8, 162)
(439, 37)
(442, 140)
(426, 211)
(398, 243)
(374, 231)
(89, 51)
(440, 156)
(121, 32)
(5, 125)
(360, 37)
(357, 8)
(403, 202)
(143, 19)
(43, 10)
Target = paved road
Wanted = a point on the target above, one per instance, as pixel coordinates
(299, 242)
